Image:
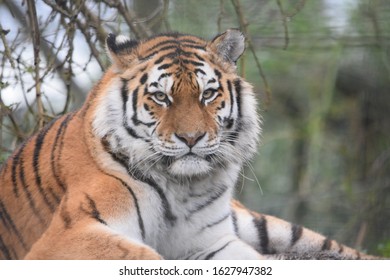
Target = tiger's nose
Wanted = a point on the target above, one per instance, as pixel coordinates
(190, 139)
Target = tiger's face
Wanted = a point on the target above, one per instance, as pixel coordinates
(177, 105)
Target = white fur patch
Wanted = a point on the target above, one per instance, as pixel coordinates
(120, 39)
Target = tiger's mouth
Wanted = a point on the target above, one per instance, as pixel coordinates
(188, 161)
(187, 165)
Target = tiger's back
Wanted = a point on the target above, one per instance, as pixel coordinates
(35, 179)
(33, 184)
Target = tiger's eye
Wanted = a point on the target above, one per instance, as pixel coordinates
(160, 96)
(207, 94)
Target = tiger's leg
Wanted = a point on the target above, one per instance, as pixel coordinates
(227, 248)
(92, 240)
(98, 220)
(272, 236)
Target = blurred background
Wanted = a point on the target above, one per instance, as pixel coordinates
(321, 70)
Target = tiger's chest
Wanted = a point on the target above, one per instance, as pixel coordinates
(181, 217)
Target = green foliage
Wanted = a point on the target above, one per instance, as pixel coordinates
(383, 249)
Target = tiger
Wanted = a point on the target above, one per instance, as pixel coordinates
(146, 168)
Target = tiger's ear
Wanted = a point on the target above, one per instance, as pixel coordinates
(121, 50)
(229, 45)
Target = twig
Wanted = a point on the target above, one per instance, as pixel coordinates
(36, 38)
(139, 30)
(244, 27)
(94, 21)
(220, 15)
(298, 7)
(287, 16)
(15, 127)
(7, 51)
(284, 20)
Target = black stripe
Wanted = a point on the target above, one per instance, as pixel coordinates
(326, 244)
(237, 87)
(139, 216)
(187, 61)
(174, 46)
(230, 89)
(168, 55)
(197, 70)
(165, 203)
(54, 195)
(158, 61)
(134, 118)
(4, 249)
(212, 80)
(217, 222)
(232, 137)
(235, 224)
(180, 52)
(125, 97)
(296, 233)
(198, 47)
(135, 101)
(163, 75)
(181, 40)
(64, 213)
(124, 94)
(212, 254)
(165, 66)
(140, 221)
(9, 223)
(161, 44)
(176, 85)
(144, 78)
(223, 104)
(25, 188)
(132, 132)
(154, 84)
(260, 224)
(218, 73)
(124, 161)
(120, 158)
(93, 210)
(53, 161)
(199, 57)
(15, 163)
(209, 201)
(40, 139)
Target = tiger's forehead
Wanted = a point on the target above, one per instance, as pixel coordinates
(173, 44)
(178, 77)
(175, 61)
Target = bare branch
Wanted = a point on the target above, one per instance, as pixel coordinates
(36, 38)
(284, 20)
(298, 7)
(7, 51)
(221, 15)
(244, 27)
(139, 30)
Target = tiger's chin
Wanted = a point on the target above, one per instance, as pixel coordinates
(190, 166)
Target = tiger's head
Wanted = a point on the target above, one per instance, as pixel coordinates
(175, 104)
